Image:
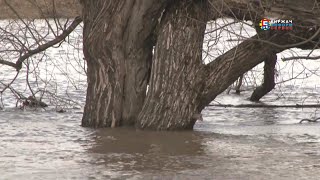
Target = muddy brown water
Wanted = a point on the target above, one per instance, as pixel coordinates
(236, 144)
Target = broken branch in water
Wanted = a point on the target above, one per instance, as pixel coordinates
(310, 120)
(267, 106)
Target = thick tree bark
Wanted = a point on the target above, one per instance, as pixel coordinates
(118, 49)
(176, 77)
(169, 104)
(268, 78)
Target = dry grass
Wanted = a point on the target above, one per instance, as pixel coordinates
(35, 9)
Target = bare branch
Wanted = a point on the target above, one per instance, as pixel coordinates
(8, 63)
(240, 59)
(266, 106)
(49, 44)
(301, 57)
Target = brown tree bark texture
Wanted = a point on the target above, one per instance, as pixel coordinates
(118, 48)
(176, 77)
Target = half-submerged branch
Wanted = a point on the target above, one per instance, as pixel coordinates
(310, 120)
(268, 79)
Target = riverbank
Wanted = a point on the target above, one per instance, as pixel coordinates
(35, 9)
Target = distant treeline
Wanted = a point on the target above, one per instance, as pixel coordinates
(11, 9)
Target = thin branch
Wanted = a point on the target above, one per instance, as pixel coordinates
(8, 85)
(266, 106)
(49, 44)
(8, 63)
(286, 46)
(43, 47)
(301, 57)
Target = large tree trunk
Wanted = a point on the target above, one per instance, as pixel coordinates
(118, 50)
(181, 86)
(176, 76)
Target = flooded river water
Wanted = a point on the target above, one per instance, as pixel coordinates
(231, 143)
(235, 144)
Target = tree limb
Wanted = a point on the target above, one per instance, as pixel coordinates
(225, 69)
(310, 120)
(8, 63)
(301, 57)
(266, 106)
(49, 44)
(43, 47)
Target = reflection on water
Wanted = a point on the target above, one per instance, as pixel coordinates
(38, 145)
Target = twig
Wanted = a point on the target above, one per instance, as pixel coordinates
(49, 44)
(301, 57)
(266, 106)
(43, 47)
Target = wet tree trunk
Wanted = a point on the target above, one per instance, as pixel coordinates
(118, 49)
(176, 77)
(268, 79)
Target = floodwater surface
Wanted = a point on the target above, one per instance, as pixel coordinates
(245, 144)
